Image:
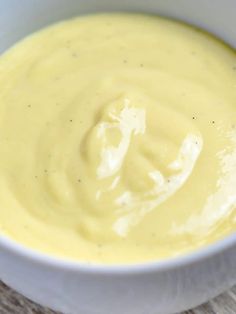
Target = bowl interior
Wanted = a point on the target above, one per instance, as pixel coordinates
(20, 18)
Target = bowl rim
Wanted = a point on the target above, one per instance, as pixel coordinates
(35, 256)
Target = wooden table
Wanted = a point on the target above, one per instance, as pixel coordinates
(13, 303)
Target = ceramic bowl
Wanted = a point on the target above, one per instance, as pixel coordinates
(164, 287)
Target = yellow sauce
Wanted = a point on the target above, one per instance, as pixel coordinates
(118, 139)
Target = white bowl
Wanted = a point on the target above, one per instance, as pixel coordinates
(153, 288)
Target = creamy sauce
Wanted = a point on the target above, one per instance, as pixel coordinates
(118, 139)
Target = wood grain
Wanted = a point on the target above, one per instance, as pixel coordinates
(13, 303)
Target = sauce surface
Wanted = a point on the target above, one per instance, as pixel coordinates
(118, 139)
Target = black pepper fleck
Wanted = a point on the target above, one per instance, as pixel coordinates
(68, 43)
(213, 122)
(124, 61)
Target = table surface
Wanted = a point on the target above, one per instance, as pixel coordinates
(13, 303)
